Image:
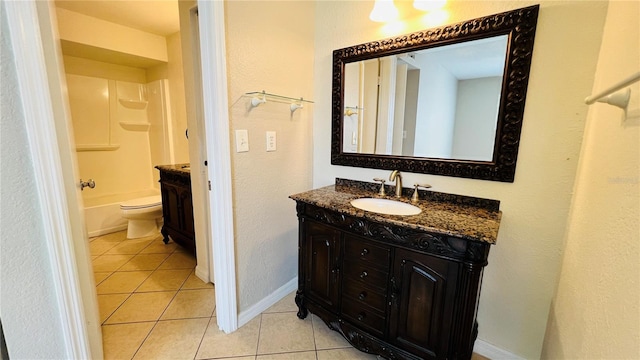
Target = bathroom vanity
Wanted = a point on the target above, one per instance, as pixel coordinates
(177, 205)
(403, 287)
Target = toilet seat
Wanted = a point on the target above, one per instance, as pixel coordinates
(142, 203)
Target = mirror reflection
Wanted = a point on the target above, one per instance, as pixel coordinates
(440, 102)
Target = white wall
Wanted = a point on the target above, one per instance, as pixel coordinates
(28, 306)
(269, 47)
(161, 128)
(520, 279)
(83, 29)
(351, 99)
(86, 67)
(475, 120)
(435, 118)
(596, 311)
(177, 98)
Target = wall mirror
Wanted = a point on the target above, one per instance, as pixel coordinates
(444, 101)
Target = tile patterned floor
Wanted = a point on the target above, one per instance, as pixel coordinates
(152, 306)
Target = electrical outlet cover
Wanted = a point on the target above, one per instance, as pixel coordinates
(271, 141)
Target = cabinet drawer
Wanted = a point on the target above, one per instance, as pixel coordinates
(363, 317)
(365, 274)
(364, 295)
(356, 248)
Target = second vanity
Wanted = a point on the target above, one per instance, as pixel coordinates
(177, 205)
(403, 287)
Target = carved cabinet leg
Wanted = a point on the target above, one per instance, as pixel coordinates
(302, 309)
(165, 236)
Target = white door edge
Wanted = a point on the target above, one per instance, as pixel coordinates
(198, 152)
(40, 120)
(216, 118)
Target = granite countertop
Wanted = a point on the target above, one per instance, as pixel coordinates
(181, 169)
(455, 215)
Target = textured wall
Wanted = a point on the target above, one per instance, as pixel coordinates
(28, 305)
(269, 47)
(596, 311)
(520, 279)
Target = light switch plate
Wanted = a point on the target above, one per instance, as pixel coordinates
(242, 141)
(271, 141)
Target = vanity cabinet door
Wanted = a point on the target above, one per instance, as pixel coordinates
(322, 273)
(171, 206)
(186, 203)
(422, 299)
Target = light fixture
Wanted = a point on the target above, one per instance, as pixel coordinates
(383, 11)
(427, 5)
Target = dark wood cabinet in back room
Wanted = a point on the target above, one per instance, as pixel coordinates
(177, 206)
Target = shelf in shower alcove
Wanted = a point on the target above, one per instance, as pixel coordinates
(97, 147)
(133, 104)
(135, 126)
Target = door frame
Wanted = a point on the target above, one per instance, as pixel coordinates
(55, 167)
(216, 120)
(48, 125)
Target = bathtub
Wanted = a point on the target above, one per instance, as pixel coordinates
(102, 213)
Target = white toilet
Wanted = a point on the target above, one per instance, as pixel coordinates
(142, 215)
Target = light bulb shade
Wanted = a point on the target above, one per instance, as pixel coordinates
(427, 5)
(383, 11)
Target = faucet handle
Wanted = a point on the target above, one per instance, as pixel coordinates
(415, 198)
(381, 181)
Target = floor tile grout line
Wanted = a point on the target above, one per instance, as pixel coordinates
(259, 335)
(116, 309)
(140, 251)
(103, 280)
(142, 282)
(155, 323)
(195, 356)
(313, 332)
(283, 352)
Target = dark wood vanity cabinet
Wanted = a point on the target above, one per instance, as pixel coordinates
(397, 292)
(177, 207)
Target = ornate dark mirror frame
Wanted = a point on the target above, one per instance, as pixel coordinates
(519, 25)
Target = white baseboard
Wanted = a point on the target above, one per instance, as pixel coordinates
(262, 305)
(493, 352)
(109, 230)
(203, 274)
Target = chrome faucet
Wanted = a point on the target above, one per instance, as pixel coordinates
(395, 175)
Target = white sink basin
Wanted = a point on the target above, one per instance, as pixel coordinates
(386, 206)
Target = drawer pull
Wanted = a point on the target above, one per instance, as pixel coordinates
(364, 252)
(361, 316)
(362, 295)
(364, 274)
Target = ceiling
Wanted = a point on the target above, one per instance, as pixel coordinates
(158, 17)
